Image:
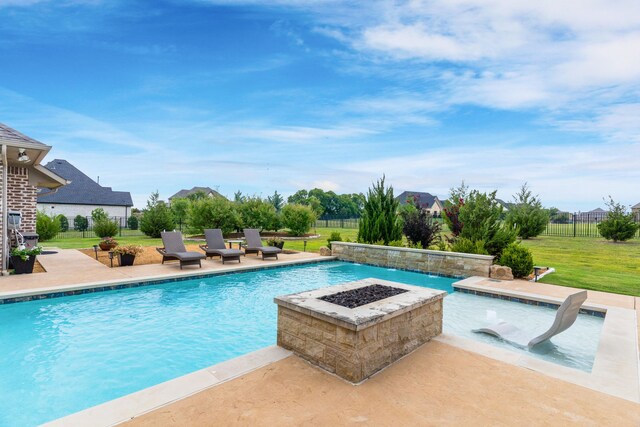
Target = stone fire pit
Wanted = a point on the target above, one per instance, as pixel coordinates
(354, 343)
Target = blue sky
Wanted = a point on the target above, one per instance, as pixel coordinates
(332, 94)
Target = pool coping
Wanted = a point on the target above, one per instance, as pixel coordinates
(122, 409)
(616, 368)
(26, 295)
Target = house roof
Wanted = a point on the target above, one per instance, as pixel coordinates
(598, 210)
(9, 135)
(184, 193)
(636, 206)
(426, 200)
(505, 205)
(82, 190)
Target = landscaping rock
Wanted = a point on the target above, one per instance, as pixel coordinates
(500, 272)
(325, 251)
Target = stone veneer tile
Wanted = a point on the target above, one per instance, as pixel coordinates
(356, 353)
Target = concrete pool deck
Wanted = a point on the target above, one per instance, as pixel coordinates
(442, 382)
(69, 269)
(435, 385)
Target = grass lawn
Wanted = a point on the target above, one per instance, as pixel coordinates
(581, 262)
(313, 245)
(589, 263)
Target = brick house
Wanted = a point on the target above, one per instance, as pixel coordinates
(22, 173)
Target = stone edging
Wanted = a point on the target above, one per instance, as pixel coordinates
(421, 251)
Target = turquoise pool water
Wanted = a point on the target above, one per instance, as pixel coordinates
(62, 355)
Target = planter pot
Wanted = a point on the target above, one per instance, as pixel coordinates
(126, 259)
(23, 267)
(279, 245)
(107, 246)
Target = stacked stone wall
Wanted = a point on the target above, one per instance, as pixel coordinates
(427, 261)
(356, 355)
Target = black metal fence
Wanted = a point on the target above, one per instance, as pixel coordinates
(561, 224)
(84, 229)
(579, 224)
(337, 222)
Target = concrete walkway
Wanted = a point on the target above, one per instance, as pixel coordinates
(435, 385)
(69, 268)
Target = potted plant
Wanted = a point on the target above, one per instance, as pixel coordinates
(108, 243)
(275, 241)
(127, 254)
(23, 259)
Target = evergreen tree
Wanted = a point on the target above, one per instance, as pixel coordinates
(480, 215)
(276, 200)
(619, 225)
(380, 221)
(527, 214)
(157, 217)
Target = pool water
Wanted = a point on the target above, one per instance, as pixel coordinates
(62, 355)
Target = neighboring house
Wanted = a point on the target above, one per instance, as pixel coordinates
(636, 209)
(595, 215)
(505, 205)
(430, 203)
(82, 195)
(22, 175)
(186, 193)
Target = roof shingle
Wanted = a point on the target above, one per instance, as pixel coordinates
(10, 135)
(82, 190)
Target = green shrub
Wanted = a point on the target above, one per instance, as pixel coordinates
(334, 237)
(379, 221)
(257, 213)
(99, 214)
(518, 258)
(468, 246)
(419, 226)
(619, 225)
(213, 212)
(47, 227)
(480, 215)
(106, 228)
(64, 223)
(80, 223)
(527, 214)
(132, 222)
(156, 217)
(298, 218)
(440, 246)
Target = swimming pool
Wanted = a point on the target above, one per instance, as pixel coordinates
(62, 355)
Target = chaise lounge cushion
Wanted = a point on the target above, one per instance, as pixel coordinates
(254, 244)
(216, 246)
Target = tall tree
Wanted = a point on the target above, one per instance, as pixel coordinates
(276, 200)
(527, 214)
(380, 221)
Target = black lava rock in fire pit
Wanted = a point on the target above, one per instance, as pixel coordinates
(361, 296)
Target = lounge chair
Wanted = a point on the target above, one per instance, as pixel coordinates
(254, 245)
(174, 250)
(215, 246)
(565, 317)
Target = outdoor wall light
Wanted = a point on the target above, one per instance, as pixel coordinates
(22, 156)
